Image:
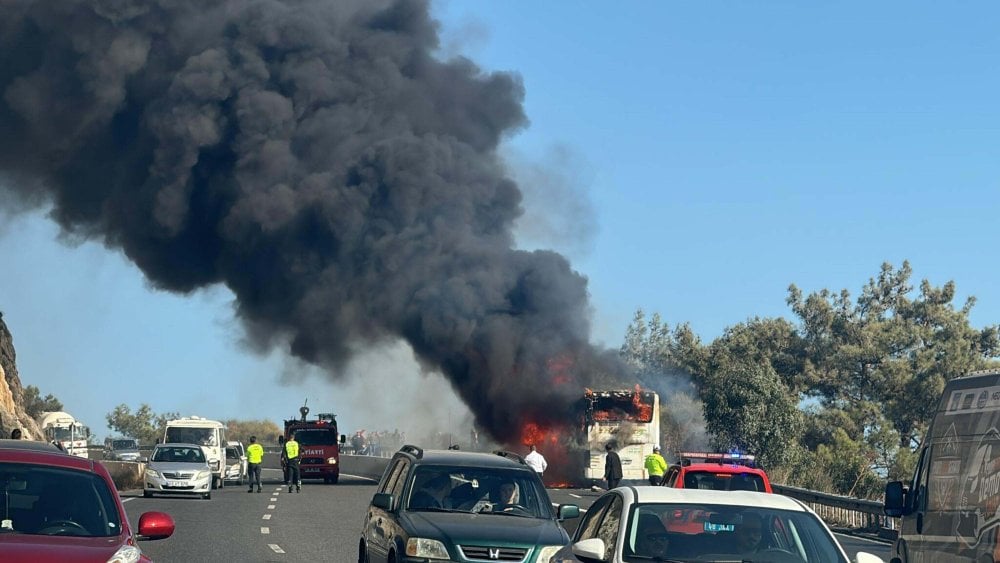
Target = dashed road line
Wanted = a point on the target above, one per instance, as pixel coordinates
(270, 507)
(267, 517)
(275, 548)
(575, 496)
(265, 530)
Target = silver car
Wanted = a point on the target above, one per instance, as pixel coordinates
(178, 469)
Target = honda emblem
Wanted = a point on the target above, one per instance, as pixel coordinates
(494, 552)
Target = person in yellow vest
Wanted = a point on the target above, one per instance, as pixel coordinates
(292, 459)
(656, 466)
(255, 456)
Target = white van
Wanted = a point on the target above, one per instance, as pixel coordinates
(210, 434)
(950, 508)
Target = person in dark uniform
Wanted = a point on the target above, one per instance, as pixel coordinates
(612, 467)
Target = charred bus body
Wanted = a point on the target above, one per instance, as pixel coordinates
(628, 419)
(319, 445)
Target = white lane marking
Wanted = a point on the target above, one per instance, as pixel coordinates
(265, 530)
(267, 517)
(270, 507)
(127, 499)
(273, 499)
(275, 548)
(575, 496)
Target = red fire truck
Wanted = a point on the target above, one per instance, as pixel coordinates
(319, 445)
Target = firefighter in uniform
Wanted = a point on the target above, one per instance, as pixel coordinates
(292, 459)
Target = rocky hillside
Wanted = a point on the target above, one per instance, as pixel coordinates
(12, 413)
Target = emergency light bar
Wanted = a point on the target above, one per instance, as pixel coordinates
(734, 458)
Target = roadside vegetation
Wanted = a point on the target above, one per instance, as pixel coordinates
(835, 398)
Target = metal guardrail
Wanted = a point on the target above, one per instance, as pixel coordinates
(847, 512)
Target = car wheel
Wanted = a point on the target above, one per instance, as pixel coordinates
(207, 496)
(335, 478)
(147, 494)
(362, 552)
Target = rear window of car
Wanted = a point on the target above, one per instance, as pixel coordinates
(44, 500)
(721, 481)
(479, 490)
(726, 532)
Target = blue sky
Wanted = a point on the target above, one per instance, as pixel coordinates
(691, 160)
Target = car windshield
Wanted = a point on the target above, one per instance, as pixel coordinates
(178, 454)
(478, 490)
(124, 445)
(719, 481)
(316, 437)
(55, 501)
(726, 533)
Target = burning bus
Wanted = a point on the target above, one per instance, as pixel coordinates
(627, 418)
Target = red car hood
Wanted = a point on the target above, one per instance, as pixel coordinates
(43, 549)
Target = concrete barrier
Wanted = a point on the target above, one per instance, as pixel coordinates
(363, 465)
(127, 475)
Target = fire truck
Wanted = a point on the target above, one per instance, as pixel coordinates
(319, 445)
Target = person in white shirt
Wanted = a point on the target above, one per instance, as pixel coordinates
(535, 461)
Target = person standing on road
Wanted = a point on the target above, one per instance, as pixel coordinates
(292, 457)
(612, 467)
(535, 460)
(255, 456)
(656, 466)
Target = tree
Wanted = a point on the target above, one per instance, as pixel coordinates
(35, 405)
(747, 407)
(266, 431)
(885, 354)
(144, 425)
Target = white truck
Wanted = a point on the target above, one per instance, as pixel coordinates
(65, 431)
(209, 434)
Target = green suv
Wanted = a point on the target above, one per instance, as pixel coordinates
(460, 506)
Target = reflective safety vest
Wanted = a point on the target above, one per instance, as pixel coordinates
(291, 449)
(255, 453)
(655, 464)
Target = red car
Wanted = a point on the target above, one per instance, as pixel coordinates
(711, 471)
(58, 507)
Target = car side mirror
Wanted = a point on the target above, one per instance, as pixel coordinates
(568, 511)
(589, 550)
(382, 500)
(895, 500)
(155, 526)
(343, 438)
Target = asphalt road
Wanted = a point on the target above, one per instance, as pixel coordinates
(322, 523)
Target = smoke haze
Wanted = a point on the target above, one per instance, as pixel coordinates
(316, 159)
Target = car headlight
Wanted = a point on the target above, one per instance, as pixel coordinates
(126, 554)
(423, 547)
(203, 475)
(214, 464)
(545, 555)
(331, 460)
(152, 474)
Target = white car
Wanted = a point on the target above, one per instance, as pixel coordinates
(236, 463)
(178, 469)
(641, 524)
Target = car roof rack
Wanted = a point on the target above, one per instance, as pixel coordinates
(717, 457)
(415, 451)
(511, 455)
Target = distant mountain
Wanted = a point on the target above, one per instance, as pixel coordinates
(12, 413)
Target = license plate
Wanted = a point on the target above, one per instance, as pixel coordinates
(311, 470)
(176, 483)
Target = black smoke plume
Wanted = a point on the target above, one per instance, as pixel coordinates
(316, 158)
